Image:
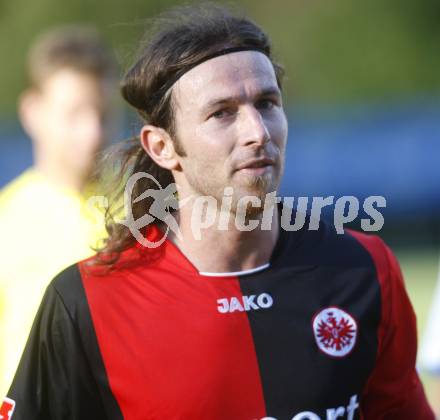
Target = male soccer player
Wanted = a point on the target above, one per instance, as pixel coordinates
(219, 321)
(44, 221)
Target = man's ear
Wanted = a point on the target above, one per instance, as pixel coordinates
(159, 146)
(28, 110)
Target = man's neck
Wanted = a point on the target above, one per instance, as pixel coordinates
(229, 250)
(60, 177)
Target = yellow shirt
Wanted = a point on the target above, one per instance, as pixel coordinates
(43, 229)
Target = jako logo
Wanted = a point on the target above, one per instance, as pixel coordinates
(245, 303)
(331, 413)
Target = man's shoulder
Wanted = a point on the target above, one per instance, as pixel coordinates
(373, 244)
(368, 244)
(360, 248)
(16, 188)
(68, 286)
(324, 245)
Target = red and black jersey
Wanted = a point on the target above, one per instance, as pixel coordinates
(326, 331)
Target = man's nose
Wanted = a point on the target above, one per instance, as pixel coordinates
(253, 128)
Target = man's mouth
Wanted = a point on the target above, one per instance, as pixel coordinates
(256, 165)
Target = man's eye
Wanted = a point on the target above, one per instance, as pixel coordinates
(222, 113)
(265, 104)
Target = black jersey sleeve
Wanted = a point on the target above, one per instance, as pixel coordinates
(53, 379)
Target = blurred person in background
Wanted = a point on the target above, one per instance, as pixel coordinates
(429, 358)
(45, 224)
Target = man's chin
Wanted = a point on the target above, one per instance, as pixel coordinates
(259, 187)
(257, 183)
(250, 202)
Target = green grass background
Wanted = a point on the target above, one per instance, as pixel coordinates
(420, 269)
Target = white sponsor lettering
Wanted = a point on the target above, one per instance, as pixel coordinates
(351, 408)
(244, 303)
(306, 415)
(265, 300)
(249, 303)
(331, 413)
(235, 305)
(335, 413)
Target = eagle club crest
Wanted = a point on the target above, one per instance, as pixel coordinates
(335, 331)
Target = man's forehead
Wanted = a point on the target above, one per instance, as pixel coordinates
(227, 75)
(69, 76)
